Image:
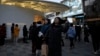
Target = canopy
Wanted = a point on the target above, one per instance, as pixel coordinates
(42, 6)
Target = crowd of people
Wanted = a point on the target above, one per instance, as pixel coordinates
(51, 35)
(15, 33)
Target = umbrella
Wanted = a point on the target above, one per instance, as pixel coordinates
(42, 6)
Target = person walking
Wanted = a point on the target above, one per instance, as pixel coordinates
(30, 31)
(36, 41)
(16, 33)
(25, 34)
(71, 35)
(66, 29)
(39, 40)
(42, 32)
(54, 38)
(86, 33)
(44, 28)
(12, 32)
(94, 29)
(34, 36)
(78, 32)
(2, 34)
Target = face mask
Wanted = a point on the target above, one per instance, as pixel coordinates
(39, 24)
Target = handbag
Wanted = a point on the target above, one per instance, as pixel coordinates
(44, 49)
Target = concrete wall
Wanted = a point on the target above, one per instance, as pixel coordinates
(21, 16)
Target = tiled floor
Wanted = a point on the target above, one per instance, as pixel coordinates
(23, 49)
(20, 49)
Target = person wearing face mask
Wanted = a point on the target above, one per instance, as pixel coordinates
(44, 28)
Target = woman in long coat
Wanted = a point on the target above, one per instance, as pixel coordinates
(54, 38)
(25, 34)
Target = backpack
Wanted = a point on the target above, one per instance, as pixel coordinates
(71, 32)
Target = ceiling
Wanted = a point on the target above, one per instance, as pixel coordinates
(43, 6)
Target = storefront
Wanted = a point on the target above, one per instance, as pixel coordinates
(76, 10)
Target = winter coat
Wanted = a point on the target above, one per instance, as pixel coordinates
(54, 40)
(16, 31)
(25, 32)
(86, 31)
(44, 28)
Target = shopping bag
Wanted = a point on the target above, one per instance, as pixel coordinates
(44, 50)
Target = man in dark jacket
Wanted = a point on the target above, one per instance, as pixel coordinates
(36, 41)
(33, 36)
(94, 29)
(78, 32)
(86, 33)
(2, 34)
(12, 32)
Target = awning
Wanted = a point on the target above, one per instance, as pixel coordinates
(42, 6)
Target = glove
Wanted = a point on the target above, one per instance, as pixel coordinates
(40, 34)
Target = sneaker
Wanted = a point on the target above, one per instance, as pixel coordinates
(38, 52)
